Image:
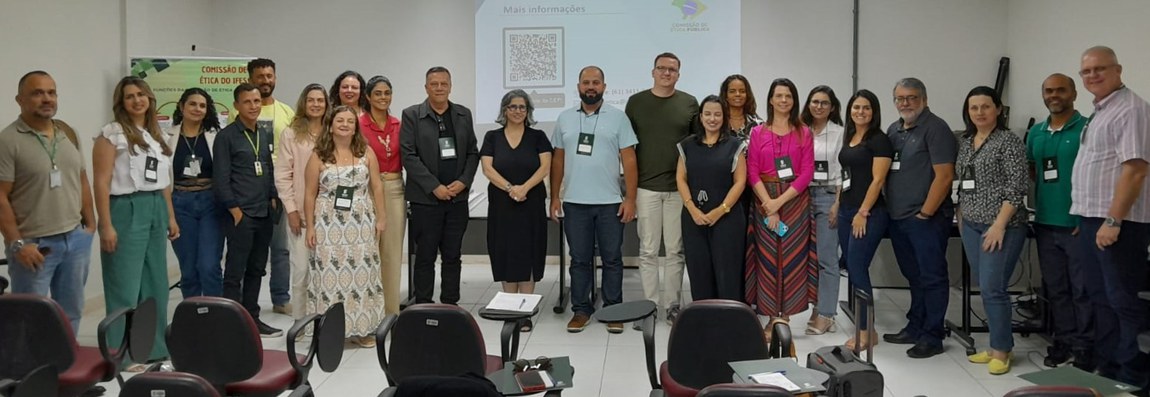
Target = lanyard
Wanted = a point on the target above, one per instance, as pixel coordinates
(192, 146)
(255, 145)
(594, 127)
(51, 153)
(826, 144)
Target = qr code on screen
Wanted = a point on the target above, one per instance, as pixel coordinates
(532, 57)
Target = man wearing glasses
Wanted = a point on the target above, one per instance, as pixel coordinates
(440, 154)
(1109, 193)
(661, 117)
(918, 195)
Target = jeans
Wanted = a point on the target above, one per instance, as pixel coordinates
(658, 216)
(859, 252)
(200, 247)
(920, 248)
(588, 227)
(438, 228)
(280, 282)
(63, 274)
(993, 270)
(827, 250)
(1064, 280)
(1124, 272)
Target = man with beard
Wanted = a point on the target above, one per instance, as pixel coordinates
(274, 117)
(1109, 192)
(918, 197)
(590, 198)
(1051, 147)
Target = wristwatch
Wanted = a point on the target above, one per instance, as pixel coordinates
(15, 246)
(1110, 221)
(508, 187)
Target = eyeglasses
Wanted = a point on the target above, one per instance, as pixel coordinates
(666, 70)
(821, 104)
(1095, 70)
(542, 364)
(906, 99)
(517, 108)
(440, 121)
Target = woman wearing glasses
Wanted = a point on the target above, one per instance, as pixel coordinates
(993, 179)
(516, 159)
(823, 115)
(781, 268)
(381, 130)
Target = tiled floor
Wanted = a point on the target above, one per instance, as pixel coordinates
(614, 365)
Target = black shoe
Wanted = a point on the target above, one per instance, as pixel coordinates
(267, 331)
(1055, 356)
(923, 350)
(95, 391)
(1084, 360)
(901, 338)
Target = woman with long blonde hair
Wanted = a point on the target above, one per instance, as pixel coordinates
(133, 190)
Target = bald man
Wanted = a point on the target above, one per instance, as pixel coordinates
(1109, 193)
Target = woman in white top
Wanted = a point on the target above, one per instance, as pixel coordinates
(132, 183)
(295, 149)
(824, 115)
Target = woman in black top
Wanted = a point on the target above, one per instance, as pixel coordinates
(711, 175)
(200, 246)
(515, 159)
(866, 158)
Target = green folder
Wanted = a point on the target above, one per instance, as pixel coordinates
(1070, 376)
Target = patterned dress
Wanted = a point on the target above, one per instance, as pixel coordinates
(782, 272)
(345, 264)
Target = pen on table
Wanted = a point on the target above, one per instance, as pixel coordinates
(523, 302)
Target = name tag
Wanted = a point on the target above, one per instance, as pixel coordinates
(343, 197)
(968, 179)
(896, 162)
(446, 148)
(259, 166)
(1050, 169)
(822, 171)
(54, 178)
(586, 144)
(194, 167)
(784, 169)
(151, 170)
(846, 179)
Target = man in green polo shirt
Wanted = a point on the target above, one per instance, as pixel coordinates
(1051, 147)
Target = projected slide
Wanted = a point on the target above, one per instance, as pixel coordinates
(540, 46)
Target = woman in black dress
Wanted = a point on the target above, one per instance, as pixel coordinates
(516, 159)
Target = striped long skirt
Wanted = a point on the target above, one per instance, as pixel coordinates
(782, 272)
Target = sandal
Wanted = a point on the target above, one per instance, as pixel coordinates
(366, 342)
(821, 325)
(136, 368)
(769, 329)
(525, 325)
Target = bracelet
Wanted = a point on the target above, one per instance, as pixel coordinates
(508, 187)
(726, 209)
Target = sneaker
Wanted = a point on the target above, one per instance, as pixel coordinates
(267, 331)
(282, 309)
(672, 315)
(615, 328)
(924, 350)
(578, 322)
(1056, 356)
(901, 338)
(94, 391)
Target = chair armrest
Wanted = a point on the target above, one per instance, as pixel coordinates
(510, 328)
(8, 385)
(380, 336)
(301, 391)
(293, 359)
(649, 347)
(388, 392)
(102, 337)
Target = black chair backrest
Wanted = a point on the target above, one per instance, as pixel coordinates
(330, 336)
(216, 339)
(142, 331)
(35, 333)
(172, 384)
(1052, 391)
(471, 385)
(41, 382)
(435, 339)
(707, 335)
(743, 390)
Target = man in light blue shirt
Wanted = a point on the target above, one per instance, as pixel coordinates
(591, 140)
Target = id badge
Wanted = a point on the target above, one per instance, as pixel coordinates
(194, 167)
(968, 179)
(822, 170)
(846, 179)
(259, 168)
(896, 162)
(343, 197)
(446, 148)
(1050, 169)
(151, 170)
(783, 167)
(586, 144)
(54, 178)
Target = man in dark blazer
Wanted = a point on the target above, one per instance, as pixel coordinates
(440, 154)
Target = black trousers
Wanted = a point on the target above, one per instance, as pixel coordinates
(715, 256)
(438, 229)
(1066, 287)
(246, 261)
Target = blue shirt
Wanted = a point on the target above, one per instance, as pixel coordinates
(594, 178)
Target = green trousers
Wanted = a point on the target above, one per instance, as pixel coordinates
(138, 269)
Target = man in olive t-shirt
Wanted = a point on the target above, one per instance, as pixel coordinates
(661, 117)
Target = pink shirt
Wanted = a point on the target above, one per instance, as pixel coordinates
(765, 146)
(290, 167)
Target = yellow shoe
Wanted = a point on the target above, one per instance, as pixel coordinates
(980, 358)
(999, 367)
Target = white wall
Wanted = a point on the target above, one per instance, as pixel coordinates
(1048, 36)
(170, 28)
